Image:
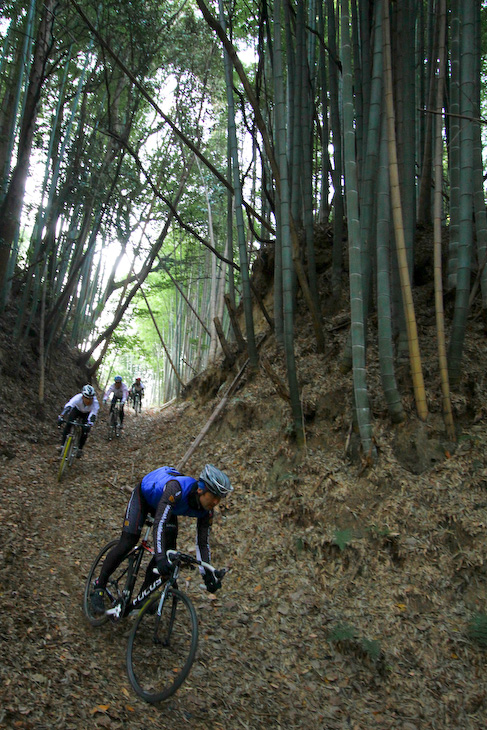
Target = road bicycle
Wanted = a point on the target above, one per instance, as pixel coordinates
(115, 420)
(163, 640)
(137, 403)
(70, 446)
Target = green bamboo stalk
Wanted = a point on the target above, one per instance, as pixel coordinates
(361, 398)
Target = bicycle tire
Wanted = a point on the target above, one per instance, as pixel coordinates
(161, 649)
(113, 590)
(111, 425)
(115, 423)
(75, 446)
(65, 456)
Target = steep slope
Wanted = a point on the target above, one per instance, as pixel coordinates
(352, 586)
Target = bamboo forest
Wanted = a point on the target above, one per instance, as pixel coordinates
(151, 154)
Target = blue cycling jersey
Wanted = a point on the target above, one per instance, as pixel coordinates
(154, 483)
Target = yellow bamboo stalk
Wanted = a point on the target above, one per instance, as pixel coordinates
(397, 215)
(438, 277)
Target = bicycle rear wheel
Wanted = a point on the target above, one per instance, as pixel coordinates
(161, 649)
(65, 456)
(115, 585)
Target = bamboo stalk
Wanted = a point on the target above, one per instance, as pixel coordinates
(397, 214)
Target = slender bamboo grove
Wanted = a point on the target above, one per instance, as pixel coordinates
(144, 167)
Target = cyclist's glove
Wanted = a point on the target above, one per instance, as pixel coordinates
(59, 421)
(211, 582)
(92, 420)
(164, 567)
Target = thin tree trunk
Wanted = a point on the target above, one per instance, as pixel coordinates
(467, 66)
(11, 207)
(244, 266)
(361, 398)
(413, 343)
(285, 233)
(438, 209)
(160, 336)
(384, 298)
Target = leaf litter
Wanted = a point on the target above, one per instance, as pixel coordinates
(352, 586)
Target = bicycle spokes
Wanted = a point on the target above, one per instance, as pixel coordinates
(162, 647)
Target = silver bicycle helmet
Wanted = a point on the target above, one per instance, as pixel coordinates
(88, 391)
(216, 481)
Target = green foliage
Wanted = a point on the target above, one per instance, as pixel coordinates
(343, 632)
(349, 636)
(477, 629)
(343, 537)
(371, 647)
(376, 531)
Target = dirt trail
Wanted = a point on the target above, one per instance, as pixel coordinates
(58, 671)
(351, 591)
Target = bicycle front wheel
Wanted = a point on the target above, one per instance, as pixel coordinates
(74, 446)
(115, 585)
(161, 649)
(65, 456)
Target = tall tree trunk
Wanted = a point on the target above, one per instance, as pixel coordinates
(397, 214)
(467, 109)
(242, 248)
(337, 172)
(384, 299)
(361, 398)
(11, 207)
(285, 233)
(437, 220)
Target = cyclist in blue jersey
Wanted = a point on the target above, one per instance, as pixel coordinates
(166, 494)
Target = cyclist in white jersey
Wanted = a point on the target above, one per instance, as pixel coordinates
(137, 387)
(84, 406)
(120, 392)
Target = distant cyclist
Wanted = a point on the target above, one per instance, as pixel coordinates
(165, 494)
(137, 387)
(84, 406)
(120, 392)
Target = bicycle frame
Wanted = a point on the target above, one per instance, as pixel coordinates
(76, 429)
(70, 445)
(135, 560)
(114, 418)
(121, 597)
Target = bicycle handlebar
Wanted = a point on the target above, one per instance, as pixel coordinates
(175, 557)
(76, 422)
